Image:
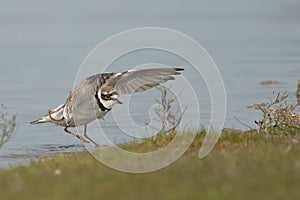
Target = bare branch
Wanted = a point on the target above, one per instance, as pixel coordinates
(7, 125)
(169, 115)
(277, 113)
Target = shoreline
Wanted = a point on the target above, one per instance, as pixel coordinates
(134, 145)
(240, 163)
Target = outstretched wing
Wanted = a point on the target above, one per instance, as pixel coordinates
(125, 83)
(141, 80)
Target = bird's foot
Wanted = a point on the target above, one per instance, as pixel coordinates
(82, 139)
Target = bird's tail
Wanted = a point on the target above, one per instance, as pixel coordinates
(41, 120)
(53, 115)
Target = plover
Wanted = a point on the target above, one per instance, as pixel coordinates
(94, 96)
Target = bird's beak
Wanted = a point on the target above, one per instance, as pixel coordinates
(118, 101)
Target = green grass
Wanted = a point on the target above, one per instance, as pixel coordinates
(243, 165)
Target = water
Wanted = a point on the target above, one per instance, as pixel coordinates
(42, 45)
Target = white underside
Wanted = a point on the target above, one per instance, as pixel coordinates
(84, 113)
(87, 112)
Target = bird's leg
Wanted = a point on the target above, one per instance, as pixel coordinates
(76, 135)
(85, 135)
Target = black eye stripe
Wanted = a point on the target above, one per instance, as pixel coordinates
(114, 93)
(105, 96)
(108, 96)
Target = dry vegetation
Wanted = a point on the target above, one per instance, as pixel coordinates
(7, 125)
(168, 113)
(278, 113)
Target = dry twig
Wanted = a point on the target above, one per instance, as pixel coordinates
(277, 113)
(7, 125)
(169, 115)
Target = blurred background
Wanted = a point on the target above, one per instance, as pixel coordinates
(42, 45)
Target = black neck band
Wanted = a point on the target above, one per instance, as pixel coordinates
(101, 106)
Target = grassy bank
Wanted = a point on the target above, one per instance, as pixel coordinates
(243, 165)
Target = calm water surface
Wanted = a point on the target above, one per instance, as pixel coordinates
(42, 46)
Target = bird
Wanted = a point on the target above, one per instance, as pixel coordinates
(95, 96)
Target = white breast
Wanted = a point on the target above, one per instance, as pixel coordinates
(86, 112)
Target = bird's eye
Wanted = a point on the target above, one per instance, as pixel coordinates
(105, 96)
